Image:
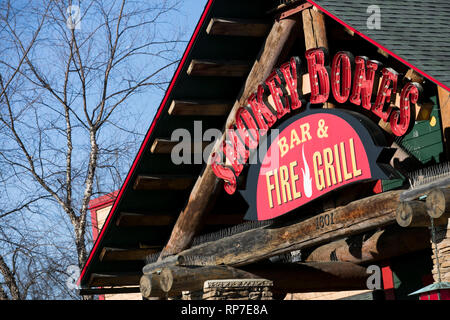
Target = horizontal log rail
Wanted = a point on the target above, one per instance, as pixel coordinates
(99, 291)
(121, 254)
(262, 243)
(214, 68)
(164, 146)
(113, 279)
(169, 182)
(127, 219)
(199, 108)
(372, 246)
(237, 27)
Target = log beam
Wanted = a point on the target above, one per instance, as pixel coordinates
(237, 27)
(149, 285)
(98, 291)
(211, 68)
(286, 277)
(312, 276)
(370, 247)
(177, 279)
(113, 279)
(199, 108)
(438, 203)
(207, 184)
(121, 254)
(412, 214)
(415, 214)
(170, 182)
(264, 242)
(139, 219)
(164, 146)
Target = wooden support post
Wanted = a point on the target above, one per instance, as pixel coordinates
(261, 243)
(177, 279)
(207, 184)
(150, 286)
(315, 33)
(370, 247)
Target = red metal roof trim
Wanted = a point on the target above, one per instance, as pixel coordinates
(379, 46)
(147, 137)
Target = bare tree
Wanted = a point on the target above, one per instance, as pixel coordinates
(71, 75)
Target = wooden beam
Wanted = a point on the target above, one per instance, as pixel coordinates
(164, 146)
(312, 276)
(127, 219)
(237, 27)
(212, 68)
(199, 108)
(149, 285)
(114, 279)
(170, 182)
(315, 33)
(139, 219)
(414, 214)
(286, 277)
(264, 242)
(314, 29)
(177, 279)
(444, 107)
(438, 203)
(98, 291)
(207, 184)
(121, 254)
(370, 247)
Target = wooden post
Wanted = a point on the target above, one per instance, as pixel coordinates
(315, 33)
(207, 184)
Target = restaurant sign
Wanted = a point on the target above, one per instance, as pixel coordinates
(315, 152)
(353, 80)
